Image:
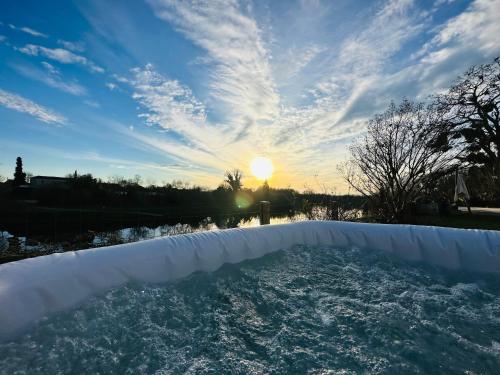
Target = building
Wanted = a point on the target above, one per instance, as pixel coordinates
(45, 181)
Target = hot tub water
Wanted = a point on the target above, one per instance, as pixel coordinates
(306, 309)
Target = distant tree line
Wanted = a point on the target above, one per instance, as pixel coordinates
(174, 198)
(411, 151)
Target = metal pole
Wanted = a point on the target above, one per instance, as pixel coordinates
(265, 212)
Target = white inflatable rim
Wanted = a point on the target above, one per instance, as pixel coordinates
(33, 288)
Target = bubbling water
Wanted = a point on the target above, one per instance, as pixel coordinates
(309, 309)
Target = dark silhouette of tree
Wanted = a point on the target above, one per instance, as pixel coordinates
(399, 157)
(84, 181)
(265, 189)
(470, 112)
(233, 179)
(118, 180)
(19, 175)
(137, 180)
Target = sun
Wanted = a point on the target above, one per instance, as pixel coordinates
(262, 168)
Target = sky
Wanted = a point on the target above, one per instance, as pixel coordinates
(184, 90)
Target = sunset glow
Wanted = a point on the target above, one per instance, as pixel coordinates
(184, 90)
(262, 168)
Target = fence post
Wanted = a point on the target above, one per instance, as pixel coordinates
(265, 212)
(334, 210)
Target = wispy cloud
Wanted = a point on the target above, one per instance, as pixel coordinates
(50, 76)
(467, 39)
(34, 32)
(92, 103)
(250, 71)
(290, 64)
(113, 162)
(241, 80)
(477, 26)
(364, 56)
(50, 68)
(169, 103)
(297, 85)
(173, 107)
(72, 46)
(365, 77)
(110, 85)
(313, 136)
(61, 55)
(20, 104)
(29, 30)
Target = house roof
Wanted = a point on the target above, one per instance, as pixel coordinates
(49, 178)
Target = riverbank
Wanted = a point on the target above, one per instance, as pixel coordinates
(45, 230)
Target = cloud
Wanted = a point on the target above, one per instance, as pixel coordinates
(366, 77)
(3, 38)
(336, 78)
(241, 80)
(170, 104)
(194, 140)
(478, 25)
(121, 79)
(50, 68)
(173, 107)
(293, 61)
(242, 84)
(92, 103)
(28, 30)
(23, 105)
(114, 162)
(61, 55)
(393, 24)
(34, 32)
(453, 46)
(51, 77)
(110, 85)
(72, 46)
(364, 55)
(336, 111)
(298, 95)
(476, 30)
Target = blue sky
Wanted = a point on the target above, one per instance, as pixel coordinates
(185, 90)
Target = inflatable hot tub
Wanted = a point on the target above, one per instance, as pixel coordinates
(33, 288)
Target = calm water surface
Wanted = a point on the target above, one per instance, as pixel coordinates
(74, 241)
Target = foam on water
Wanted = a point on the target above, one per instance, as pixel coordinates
(307, 309)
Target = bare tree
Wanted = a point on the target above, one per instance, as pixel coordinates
(397, 159)
(179, 184)
(137, 180)
(330, 211)
(471, 114)
(233, 179)
(117, 179)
